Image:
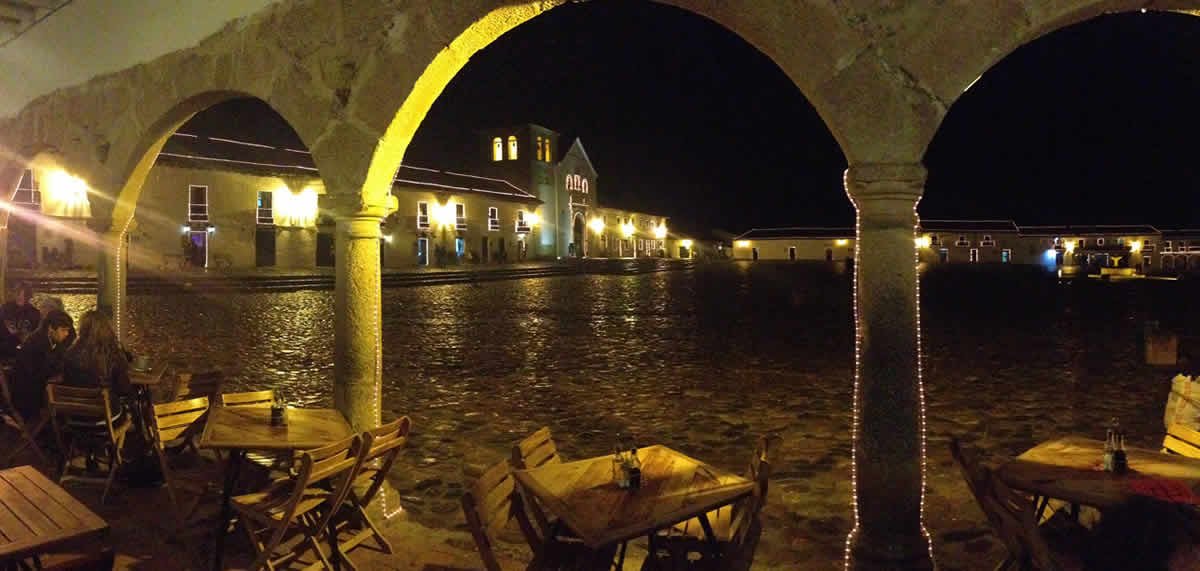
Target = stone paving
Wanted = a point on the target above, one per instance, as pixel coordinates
(704, 361)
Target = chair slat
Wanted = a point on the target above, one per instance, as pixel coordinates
(1182, 440)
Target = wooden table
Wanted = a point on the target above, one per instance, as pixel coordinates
(238, 429)
(674, 488)
(148, 377)
(38, 514)
(1069, 469)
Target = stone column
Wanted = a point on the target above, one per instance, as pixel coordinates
(357, 345)
(889, 453)
(112, 270)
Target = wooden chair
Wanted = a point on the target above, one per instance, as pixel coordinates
(735, 528)
(84, 416)
(175, 426)
(493, 502)
(251, 398)
(534, 451)
(382, 445)
(1013, 518)
(1182, 440)
(12, 418)
(306, 501)
(204, 384)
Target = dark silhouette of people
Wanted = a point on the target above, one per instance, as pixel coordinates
(39, 359)
(19, 317)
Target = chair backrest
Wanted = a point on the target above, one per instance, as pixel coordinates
(173, 419)
(489, 507)
(536, 450)
(87, 402)
(80, 402)
(335, 461)
(204, 384)
(1182, 440)
(746, 512)
(1011, 515)
(251, 398)
(382, 445)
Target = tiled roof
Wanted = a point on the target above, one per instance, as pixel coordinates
(1088, 230)
(968, 226)
(184, 149)
(447, 181)
(783, 233)
(1181, 234)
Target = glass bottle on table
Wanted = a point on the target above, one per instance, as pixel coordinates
(635, 469)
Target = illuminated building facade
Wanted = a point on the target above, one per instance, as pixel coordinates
(227, 204)
(1136, 249)
(220, 203)
(562, 176)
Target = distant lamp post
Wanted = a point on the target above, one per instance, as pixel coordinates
(686, 244)
(627, 229)
(1135, 246)
(923, 241)
(660, 231)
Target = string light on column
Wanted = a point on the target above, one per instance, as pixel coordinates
(920, 377)
(858, 375)
(857, 348)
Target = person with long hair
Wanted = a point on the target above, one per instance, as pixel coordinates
(97, 359)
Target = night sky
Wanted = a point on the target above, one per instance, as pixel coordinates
(1096, 123)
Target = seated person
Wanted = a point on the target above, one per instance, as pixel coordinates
(96, 359)
(19, 318)
(40, 358)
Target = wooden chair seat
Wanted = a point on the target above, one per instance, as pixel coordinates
(735, 528)
(84, 423)
(303, 503)
(270, 504)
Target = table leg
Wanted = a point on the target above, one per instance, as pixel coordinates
(621, 557)
(1039, 505)
(231, 475)
(709, 535)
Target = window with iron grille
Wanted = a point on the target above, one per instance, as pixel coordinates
(460, 216)
(197, 203)
(266, 216)
(493, 218)
(522, 226)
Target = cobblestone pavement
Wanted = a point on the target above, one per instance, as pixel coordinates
(704, 361)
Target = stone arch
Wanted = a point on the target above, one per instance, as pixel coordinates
(850, 85)
(984, 35)
(132, 166)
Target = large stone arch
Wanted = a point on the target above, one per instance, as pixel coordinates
(834, 63)
(949, 58)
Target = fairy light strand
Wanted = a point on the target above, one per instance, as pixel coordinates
(857, 350)
(921, 425)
